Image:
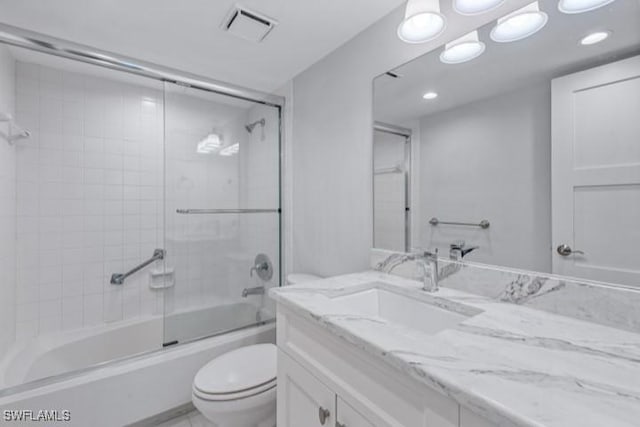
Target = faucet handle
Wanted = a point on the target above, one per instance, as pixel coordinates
(430, 254)
(459, 249)
(457, 244)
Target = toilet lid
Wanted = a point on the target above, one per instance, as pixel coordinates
(296, 278)
(239, 370)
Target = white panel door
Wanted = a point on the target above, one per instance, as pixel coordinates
(596, 173)
(303, 401)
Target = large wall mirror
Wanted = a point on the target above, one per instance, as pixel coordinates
(529, 152)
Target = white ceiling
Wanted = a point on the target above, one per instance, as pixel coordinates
(186, 34)
(552, 52)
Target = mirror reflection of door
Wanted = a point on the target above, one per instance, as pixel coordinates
(596, 173)
(391, 147)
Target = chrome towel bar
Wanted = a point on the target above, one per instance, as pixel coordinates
(484, 224)
(224, 211)
(119, 278)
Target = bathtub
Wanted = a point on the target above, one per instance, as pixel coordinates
(92, 373)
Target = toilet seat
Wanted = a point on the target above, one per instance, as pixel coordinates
(238, 374)
(247, 394)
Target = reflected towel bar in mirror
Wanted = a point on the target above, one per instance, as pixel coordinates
(484, 224)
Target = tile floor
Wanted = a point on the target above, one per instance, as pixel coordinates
(192, 419)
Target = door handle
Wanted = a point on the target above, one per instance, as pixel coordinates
(323, 414)
(565, 250)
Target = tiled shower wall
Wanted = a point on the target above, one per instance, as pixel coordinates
(7, 205)
(89, 198)
(212, 254)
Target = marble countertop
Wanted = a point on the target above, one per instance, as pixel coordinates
(513, 365)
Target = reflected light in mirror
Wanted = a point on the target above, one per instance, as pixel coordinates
(594, 38)
(520, 24)
(422, 21)
(579, 6)
(475, 7)
(430, 95)
(230, 150)
(463, 49)
(210, 144)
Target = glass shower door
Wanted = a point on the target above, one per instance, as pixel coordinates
(222, 207)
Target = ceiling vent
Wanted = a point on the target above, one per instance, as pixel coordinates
(248, 25)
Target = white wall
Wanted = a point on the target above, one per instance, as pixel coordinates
(332, 135)
(7, 205)
(491, 159)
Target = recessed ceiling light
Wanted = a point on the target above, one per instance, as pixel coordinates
(422, 21)
(463, 49)
(594, 38)
(520, 24)
(474, 7)
(430, 95)
(579, 6)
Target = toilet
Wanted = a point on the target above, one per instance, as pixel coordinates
(299, 278)
(238, 388)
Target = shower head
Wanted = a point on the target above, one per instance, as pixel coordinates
(251, 126)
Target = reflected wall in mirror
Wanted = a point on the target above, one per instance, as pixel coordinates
(539, 137)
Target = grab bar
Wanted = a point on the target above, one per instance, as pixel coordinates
(224, 211)
(484, 224)
(119, 278)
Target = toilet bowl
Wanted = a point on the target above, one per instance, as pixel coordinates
(238, 388)
(298, 278)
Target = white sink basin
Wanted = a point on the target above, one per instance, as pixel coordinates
(400, 309)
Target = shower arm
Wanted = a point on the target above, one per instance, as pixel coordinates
(262, 122)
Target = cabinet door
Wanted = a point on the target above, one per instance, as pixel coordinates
(469, 419)
(302, 399)
(349, 417)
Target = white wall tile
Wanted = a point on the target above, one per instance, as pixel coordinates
(71, 196)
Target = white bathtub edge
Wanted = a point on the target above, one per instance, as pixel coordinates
(130, 391)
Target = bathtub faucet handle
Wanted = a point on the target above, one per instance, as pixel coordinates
(262, 267)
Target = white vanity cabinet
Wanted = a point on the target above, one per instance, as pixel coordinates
(324, 381)
(306, 401)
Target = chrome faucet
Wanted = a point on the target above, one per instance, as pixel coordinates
(429, 263)
(459, 249)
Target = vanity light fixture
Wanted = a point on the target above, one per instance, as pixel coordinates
(430, 95)
(594, 38)
(475, 7)
(580, 6)
(422, 21)
(520, 24)
(463, 49)
(210, 144)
